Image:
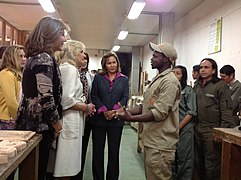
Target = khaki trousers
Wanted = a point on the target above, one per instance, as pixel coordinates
(158, 164)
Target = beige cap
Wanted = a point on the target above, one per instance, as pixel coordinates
(167, 49)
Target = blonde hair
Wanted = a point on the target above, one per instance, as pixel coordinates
(71, 49)
(10, 60)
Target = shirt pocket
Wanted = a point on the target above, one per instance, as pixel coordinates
(212, 109)
(210, 101)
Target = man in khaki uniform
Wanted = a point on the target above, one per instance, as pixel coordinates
(159, 111)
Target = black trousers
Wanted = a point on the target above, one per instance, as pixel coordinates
(99, 135)
(85, 142)
(44, 149)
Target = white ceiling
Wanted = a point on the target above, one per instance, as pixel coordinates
(97, 22)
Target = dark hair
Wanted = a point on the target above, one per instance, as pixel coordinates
(43, 36)
(94, 71)
(196, 68)
(87, 57)
(215, 78)
(104, 60)
(228, 70)
(2, 49)
(183, 81)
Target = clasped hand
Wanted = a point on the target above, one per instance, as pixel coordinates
(90, 109)
(109, 115)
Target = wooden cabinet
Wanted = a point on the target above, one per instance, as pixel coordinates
(9, 35)
(231, 152)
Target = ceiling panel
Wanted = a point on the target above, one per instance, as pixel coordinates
(97, 22)
(22, 14)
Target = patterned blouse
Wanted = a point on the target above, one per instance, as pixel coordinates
(42, 92)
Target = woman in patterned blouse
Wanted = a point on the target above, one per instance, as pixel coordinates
(40, 109)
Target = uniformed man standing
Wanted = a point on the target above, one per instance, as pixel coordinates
(214, 107)
(227, 74)
(159, 111)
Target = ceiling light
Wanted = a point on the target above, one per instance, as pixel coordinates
(115, 48)
(122, 35)
(47, 5)
(136, 9)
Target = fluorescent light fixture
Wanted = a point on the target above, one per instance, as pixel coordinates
(47, 5)
(116, 48)
(136, 9)
(122, 35)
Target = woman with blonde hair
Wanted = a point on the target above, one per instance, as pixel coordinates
(75, 108)
(10, 84)
(86, 79)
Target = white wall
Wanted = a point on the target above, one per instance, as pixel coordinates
(191, 38)
(95, 58)
(147, 62)
(192, 32)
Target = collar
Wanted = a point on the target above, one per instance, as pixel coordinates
(233, 81)
(163, 73)
(118, 74)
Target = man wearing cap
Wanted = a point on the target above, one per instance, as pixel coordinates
(159, 112)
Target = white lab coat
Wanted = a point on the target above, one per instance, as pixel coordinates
(68, 156)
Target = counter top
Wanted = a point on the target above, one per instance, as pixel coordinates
(229, 135)
(7, 169)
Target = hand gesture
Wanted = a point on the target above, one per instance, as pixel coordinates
(123, 114)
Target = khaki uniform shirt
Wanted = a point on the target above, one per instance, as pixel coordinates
(162, 98)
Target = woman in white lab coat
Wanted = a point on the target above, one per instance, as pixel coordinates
(69, 145)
